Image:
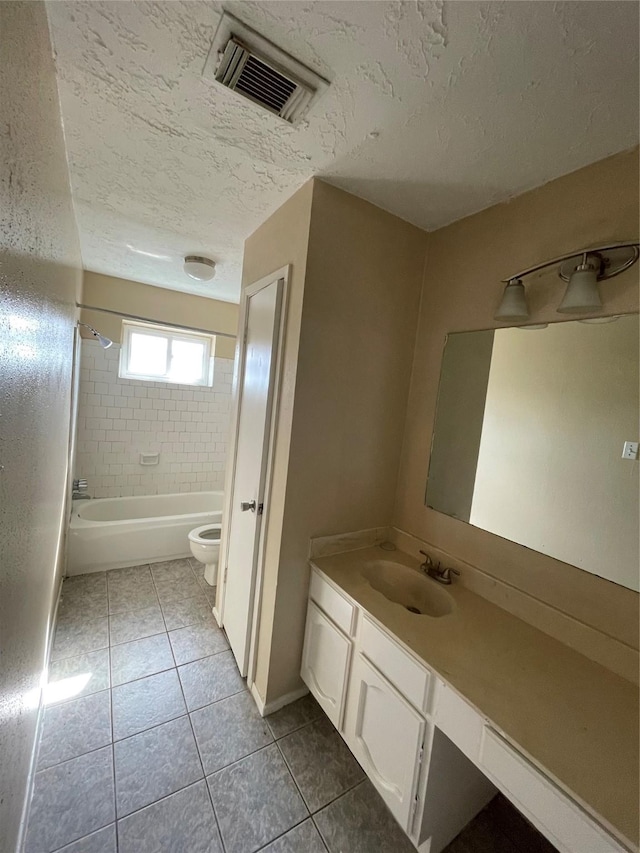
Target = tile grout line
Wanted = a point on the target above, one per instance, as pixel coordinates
(286, 764)
(193, 733)
(110, 688)
(104, 746)
(113, 745)
(310, 814)
(238, 761)
(337, 797)
(204, 775)
(325, 843)
(187, 713)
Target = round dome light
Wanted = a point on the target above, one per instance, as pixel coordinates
(199, 267)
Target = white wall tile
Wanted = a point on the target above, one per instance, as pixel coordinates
(119, 419)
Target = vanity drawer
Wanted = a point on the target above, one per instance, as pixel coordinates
(395, 664)
(461, 723)
(555, 814)
(337, 608)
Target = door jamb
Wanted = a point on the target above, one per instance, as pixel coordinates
(283, 274)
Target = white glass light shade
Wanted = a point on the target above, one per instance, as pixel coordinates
(514, 303)
(534, 327)
(200, 268)
(582, 293)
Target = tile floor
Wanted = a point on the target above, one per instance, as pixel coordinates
(152, 744)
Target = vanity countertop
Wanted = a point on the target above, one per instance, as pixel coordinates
(577, 720)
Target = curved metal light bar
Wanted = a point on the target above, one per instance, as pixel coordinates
(569, 262)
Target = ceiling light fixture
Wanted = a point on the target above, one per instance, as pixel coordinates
(582, 270)
(199, 267)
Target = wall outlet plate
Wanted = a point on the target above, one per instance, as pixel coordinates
(630, 450)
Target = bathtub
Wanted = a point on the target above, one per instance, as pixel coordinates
(111, 533)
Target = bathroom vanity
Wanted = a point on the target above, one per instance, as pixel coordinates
(444, 706)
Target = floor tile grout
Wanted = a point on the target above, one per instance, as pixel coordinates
(188, 712)
(188, 715)
(74, 757)
(282, 834)
(295, 782)
(88, 835)
(341, 794)
(204, 775)
(319, 831)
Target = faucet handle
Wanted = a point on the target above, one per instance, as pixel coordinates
(80, 485)
(445, 574)
(428, 561)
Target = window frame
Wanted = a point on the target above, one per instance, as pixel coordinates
(130, 327)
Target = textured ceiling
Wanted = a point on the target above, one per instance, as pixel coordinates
(436, 110)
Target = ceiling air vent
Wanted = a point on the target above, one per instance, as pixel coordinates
(249, 64)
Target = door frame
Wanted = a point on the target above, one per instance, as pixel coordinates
(273, 405)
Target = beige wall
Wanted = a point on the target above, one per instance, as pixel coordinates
(361, 295)
(39, 281)
(462, 288)
(281, 240)
(560, 404)
(158, 304)
(461, 398)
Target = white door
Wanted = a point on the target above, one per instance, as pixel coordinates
(325, 663)
(386, 735)
(255, 398)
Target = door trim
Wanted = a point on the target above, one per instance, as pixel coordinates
(283, 274)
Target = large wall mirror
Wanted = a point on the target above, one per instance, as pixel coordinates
(531, 427)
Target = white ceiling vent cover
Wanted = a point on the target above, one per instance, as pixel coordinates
(246, 62)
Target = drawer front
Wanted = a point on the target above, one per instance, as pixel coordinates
(561, 820)
(461, 723)
(334, 605)
(326, 660)
(395, 664)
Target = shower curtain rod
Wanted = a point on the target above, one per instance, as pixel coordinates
(157, 322)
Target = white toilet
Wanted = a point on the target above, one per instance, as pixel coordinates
(205, 546)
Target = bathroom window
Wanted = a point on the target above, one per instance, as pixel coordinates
(159, 354)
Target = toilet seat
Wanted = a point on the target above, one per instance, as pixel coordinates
(207, 534)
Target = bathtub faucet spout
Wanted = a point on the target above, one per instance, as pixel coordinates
(80, 491)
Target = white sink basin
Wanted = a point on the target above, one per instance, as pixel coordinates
(417, 593)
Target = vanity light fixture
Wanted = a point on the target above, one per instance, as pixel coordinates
(581, 270)
(199, 267)
(514, 303)
(582, 293)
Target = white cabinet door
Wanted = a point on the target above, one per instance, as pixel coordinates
(386, 735)
(325, 663)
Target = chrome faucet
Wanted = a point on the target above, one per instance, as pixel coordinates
(80, 491)
(435, 571)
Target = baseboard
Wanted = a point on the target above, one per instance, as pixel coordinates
(257, 698)
(124, 564)
(24, 820)
(266, 708)
(217, 616)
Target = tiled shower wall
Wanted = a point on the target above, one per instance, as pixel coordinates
(118, 419)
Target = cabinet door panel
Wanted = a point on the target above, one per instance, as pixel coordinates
(386, 736)
(325, 663)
